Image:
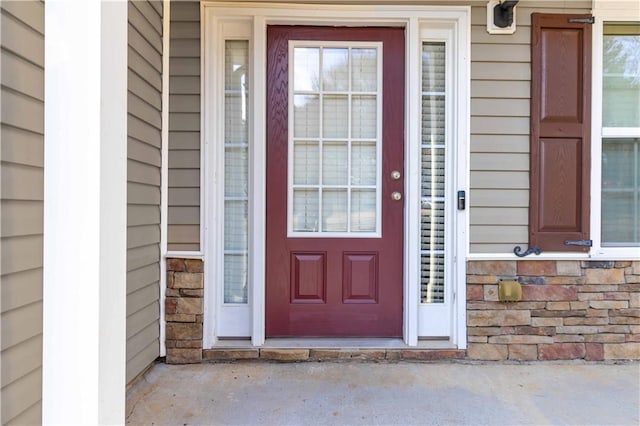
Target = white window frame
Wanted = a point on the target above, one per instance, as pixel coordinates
(605, 11)
(238, 314)
(438, 319)
(218, 15)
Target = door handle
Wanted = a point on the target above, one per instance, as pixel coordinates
(396, 196)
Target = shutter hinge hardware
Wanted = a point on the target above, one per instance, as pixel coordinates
(580, 243)
(589, 20)
(517, 250)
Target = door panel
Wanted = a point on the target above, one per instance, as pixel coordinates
(334, 233)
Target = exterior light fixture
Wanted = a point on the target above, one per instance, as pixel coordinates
(501, 16)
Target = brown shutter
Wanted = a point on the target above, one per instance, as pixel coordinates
(560, 131)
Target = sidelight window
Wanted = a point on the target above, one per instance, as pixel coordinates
(432, 214)
(236, 188)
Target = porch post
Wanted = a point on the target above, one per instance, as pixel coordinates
(85, 206)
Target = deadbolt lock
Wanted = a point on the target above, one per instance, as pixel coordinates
(395, 175)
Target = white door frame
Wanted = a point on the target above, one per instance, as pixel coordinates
(218, 18)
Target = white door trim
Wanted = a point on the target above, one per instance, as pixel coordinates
(258, 15)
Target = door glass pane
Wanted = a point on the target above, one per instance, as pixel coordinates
(306, 163)
(363, 117)
(306, 113)
(236, 188)
(334, 116)
(434, 151)
(621, 192)
(334, 210)
(621, 75)
(305, 210)
(335, 162)
(307, 69)
(363, 163)
(334, 187)
(363, 210)
(364, 70)
(335, 69)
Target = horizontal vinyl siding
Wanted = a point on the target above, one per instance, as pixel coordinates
(184, 128)
(21, 201)
(500, 96)
(143, 184)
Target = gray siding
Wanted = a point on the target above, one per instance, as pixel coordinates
(500, 94)
(184, 128)
(144, 105)
(22, 191)
(500, 80)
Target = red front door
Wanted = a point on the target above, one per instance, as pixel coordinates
(335, 162)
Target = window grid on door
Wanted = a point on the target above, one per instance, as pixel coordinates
(433, 147)
(335, 116)
(236, 172)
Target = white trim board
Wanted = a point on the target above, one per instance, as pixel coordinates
(216, 16)
(184, 255)
(164, 169)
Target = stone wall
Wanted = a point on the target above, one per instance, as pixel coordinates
(184, 310)
(569, 310)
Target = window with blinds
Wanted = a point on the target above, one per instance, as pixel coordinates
(236, 188)
(433, 146)
(621, 135)
(334, 183)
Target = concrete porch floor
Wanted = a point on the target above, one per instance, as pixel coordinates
(443, 393)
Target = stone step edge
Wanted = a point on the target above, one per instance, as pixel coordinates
(322, 354)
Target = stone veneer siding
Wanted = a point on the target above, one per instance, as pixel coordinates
(569, 310)
(184, 310)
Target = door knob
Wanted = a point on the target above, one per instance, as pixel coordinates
(396, 196)
(395, 175)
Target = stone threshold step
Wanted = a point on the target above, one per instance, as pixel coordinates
(319, 354)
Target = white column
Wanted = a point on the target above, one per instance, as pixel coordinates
(84, 340)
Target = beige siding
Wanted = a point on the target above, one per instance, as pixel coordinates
(184, 127)
(21, 204)
(500, 94)
(143, 190)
